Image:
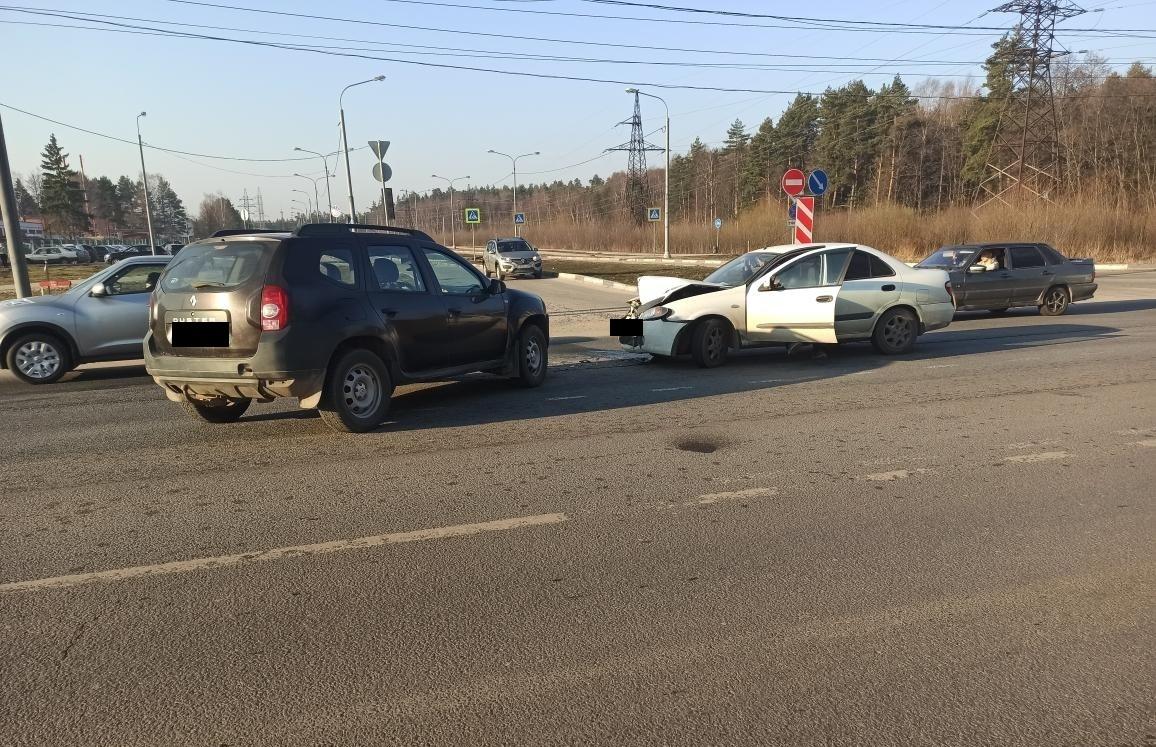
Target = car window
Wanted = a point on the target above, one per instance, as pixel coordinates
(833, 264)
(508, 247)
(1024, 257)
(805, 273)
(864, 266)
(1053, 257)
(453, 276)
(219, 266)
(337, 265)
(394, 269)
(136, 279)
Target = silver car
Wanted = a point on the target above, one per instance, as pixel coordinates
(102, 318)
(506, 257)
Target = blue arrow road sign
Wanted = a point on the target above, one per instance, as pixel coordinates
(519, 218)
(817, 182)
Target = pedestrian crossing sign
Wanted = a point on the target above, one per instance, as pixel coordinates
(653, 214)
(473, 215)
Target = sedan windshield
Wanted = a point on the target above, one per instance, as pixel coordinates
(741, 269)
(509, 247)
(949, 256)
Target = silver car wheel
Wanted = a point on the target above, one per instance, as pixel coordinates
(897, 331)
(38, 359)
(361, 390)
(533, 356)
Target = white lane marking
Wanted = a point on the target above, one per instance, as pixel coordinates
(1030, 444)
(1149, 442)
(765, 381)
(1043, 456)
(672, 388)
(559, 399)
(1135, 432)
(321, 548)
(895, 474)
(943, 365)
(735, 495)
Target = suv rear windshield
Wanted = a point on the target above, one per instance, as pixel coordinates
(225, 265)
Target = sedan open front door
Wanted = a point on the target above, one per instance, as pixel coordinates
(797, 303)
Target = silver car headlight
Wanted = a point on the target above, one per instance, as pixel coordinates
(655, 313)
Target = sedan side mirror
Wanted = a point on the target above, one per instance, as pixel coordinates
(976, 269)
(496, 287)
(770, 284)
(100, 290)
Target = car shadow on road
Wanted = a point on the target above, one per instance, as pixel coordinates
(1077, 309)
(479, 400)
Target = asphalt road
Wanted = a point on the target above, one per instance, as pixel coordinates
(952, 547)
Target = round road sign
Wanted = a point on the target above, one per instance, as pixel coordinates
(817, 182)
(793, 182)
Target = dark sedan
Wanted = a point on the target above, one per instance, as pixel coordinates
(999, 276)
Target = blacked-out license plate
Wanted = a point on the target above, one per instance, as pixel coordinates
(625, 327)
(200, 333)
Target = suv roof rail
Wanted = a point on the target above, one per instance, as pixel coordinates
(335, 229)
(243, 231)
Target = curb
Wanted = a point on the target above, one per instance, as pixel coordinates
(596, 281)
(639, 260)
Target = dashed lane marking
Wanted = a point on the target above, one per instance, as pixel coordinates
(735, 495)
(672, 389)
(895, 474)
(1042, 456)
(560, 399)
(1149, 442)
(281, 553)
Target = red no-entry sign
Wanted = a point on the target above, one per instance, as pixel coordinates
(793, 182)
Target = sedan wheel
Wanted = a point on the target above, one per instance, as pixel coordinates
(1055, 303)
(39, 359)
(895, 332)
(710, 343)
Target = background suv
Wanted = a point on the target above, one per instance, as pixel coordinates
(334, 315)
(511, 257)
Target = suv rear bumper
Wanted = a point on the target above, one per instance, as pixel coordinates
(218, 378)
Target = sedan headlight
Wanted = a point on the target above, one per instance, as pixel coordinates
(656, 313)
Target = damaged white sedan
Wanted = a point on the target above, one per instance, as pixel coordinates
(818, 293)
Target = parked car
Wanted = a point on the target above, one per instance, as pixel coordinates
(117, 252)
(171, 249)
(514, 257)
(76, 253)
(49, 255)
(334, 315)
(102, 318)
(99, 252)
(820, 293)
(999, 276)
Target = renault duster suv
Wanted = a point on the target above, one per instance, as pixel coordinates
(335, 315)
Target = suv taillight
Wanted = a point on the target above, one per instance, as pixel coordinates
(274, 308)
(950, 292)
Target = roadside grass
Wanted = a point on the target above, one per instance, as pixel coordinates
(624, 272)
(37, 272)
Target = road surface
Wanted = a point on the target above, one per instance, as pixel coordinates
(951, 547)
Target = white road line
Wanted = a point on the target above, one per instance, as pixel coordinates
(1043, 456)
(672, 388)
(943, 365)
(766, 381)
(709, 498)
(559, 399)
(893, 475)
(322, 548)
(1149, 442)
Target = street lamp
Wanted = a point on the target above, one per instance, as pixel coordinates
(303, 208)
(345, 142)
(307, 201)
(316, 200)
(453, 236)
(666, 178)
(144, 175)
(514, 162)
(324, 160)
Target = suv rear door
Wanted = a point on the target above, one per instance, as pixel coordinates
(476, 319)
(217, 282)
(410, 310)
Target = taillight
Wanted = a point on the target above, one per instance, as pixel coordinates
(274, 308)
(950, 292)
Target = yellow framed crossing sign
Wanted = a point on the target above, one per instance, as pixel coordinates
(473, 215)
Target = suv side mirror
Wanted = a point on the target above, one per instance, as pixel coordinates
(100, 290)
(496, 287)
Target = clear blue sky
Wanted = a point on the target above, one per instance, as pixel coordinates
(237, 100)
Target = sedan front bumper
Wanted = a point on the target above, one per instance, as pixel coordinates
(658, 337)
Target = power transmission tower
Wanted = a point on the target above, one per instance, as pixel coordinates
(1025, 153)
(637, 194)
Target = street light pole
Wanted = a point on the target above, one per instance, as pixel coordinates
(666, 177)
(453, 215)
(514, 163)
(328, 193)
(316, 199)
(307, 202)
(144, 175)
(12, 223)
(345, 142)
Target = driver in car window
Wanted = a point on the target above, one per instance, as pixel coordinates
(988, 260)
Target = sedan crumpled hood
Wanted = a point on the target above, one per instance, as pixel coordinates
(655, 289)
